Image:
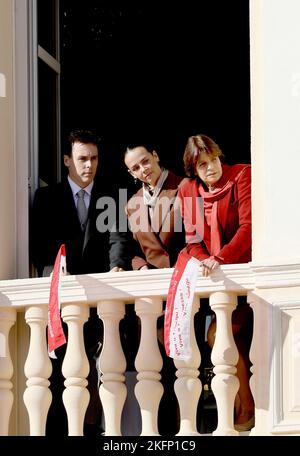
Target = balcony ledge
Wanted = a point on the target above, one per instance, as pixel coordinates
(128, 285)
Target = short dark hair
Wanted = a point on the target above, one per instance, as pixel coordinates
(149, 146)
(195, 145)
(82, 136)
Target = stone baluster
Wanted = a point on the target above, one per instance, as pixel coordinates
(258, 325)
(75, 368)
(7, 320)
(148, 363)
(113, 390)
(37, 396)
(188, 386)
(224, 356)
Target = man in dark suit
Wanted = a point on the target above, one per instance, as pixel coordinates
(67, 213)
(55, 218)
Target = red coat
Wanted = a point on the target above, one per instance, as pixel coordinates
(228, 237)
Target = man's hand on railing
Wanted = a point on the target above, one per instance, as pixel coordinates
(64, 272)
(117, 269)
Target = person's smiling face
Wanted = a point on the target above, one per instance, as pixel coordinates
(143, 165)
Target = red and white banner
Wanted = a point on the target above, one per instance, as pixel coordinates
(56, 336)
(177, 326)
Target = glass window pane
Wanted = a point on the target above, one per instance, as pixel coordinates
(46, 10)
(48, 147)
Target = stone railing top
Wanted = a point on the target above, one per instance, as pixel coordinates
(128, 285)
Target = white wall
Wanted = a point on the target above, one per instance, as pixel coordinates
(7, 145)
(275, 135)
(14, 138)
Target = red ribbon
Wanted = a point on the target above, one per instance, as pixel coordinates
(178, 314)
(56, 336)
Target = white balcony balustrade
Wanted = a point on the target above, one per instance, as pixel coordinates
(147, 290)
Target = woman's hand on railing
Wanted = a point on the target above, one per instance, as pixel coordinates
(209, 265)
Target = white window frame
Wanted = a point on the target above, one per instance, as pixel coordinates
(27, 52)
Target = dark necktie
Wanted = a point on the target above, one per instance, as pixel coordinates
(81, 209)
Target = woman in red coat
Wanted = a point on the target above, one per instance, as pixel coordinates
(222, 236)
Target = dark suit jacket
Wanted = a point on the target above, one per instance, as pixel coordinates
(54, 222)
(157, 243)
